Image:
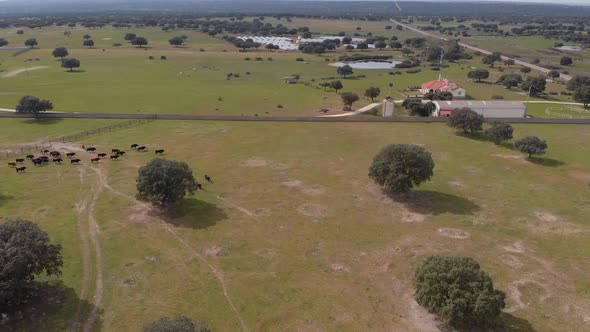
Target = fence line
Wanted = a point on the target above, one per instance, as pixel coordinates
(23, 149)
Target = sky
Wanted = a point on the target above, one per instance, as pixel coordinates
(561, 2)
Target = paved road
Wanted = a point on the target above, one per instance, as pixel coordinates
(481, 50)
(277, 118)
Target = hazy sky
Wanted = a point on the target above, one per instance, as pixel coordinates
(563, 2)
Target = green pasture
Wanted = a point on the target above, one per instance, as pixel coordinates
(304, 240)
(123, 79)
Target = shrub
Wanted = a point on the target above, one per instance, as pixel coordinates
(458, 291)
(300, 59)
(177, 324)
(497, 97)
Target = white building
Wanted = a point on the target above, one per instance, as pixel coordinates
(489, 109)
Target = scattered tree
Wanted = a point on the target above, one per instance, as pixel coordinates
(554, 74)
(582, 95)
(89, 43)
(60, 52)
(177, 324)
(129, 36)
(26, 253)
(165, 182)
(70, 63)
(566, 61)
(33, 105)
(510, 80)
(372, 92)
(87, 36)
(362, 46)
(467, 120)
(32, 42)
(139, 41)
(499, 131)
(176, 41)
(400, 167)
(348, 98)
(479, 74)
(439, 95)
(344, 70)
(380, 45)
(458, 291)
(536, 85)
(492, 58)
(423, 109)
(336, 85)
(531, 145)
(3, 42)
(577, 82)
(525, 70)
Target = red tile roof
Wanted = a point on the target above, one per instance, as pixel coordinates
(443, 85)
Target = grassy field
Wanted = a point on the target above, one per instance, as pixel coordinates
(297, 234)
(122, 79)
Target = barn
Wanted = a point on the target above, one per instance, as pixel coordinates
(487, 108)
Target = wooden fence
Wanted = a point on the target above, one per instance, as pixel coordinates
(35, 148)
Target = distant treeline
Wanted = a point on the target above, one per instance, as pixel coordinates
(361, 10)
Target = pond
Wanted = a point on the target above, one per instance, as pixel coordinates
(568, 48)
(368, 64)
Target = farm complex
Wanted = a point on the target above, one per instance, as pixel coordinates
(294, 166)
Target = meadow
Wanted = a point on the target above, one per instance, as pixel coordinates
(297, 237)
(291, 235)
(194, 78)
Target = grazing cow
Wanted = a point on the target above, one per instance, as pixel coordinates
(92, 149)
(20, 160)
(141, 148)
(37, 162)
(134, 146)
(161, 151)
(57, 160)
(114, 157)
(115, 150)
(75, 161)
(30, 157)
(12, 164)
(21, 169)
(102, 155)
(208, 178)
(120, 153)
(95, 160)
(44, 158)
(71, 154)
(44, 151)
(199, 186)
(55, 153)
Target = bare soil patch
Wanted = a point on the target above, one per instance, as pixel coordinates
(408, 217)
(454, 233)
(254, 162)
(339, 268)
(216, 251)
(312, 210)
(510, 260)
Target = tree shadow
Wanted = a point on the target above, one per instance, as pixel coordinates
(193, 213)
(76, 71)
(5, 198)
(432, 202)
(510, 323)
(53, 307)
(43, 121)
(547, 162)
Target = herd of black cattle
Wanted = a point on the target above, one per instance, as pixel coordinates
(56, 157)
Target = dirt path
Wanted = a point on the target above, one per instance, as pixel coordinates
(103, 182)
(481, 50)
(15, 72)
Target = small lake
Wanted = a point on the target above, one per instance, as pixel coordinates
(568, 48)
(370, 64)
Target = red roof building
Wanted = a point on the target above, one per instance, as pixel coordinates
(444, 85)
